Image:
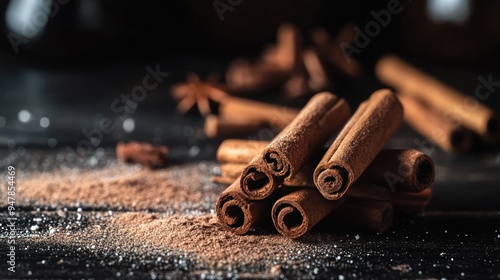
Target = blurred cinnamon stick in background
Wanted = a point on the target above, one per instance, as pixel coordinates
(236, 213)
(441, 98)
(449, 136)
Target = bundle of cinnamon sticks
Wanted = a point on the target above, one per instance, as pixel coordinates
(295, 182)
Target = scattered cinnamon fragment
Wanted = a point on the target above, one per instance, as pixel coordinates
(358, 143)
(145, 154)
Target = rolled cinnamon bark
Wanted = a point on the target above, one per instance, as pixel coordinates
(440, 97)
(411, 202)
(273, 115)
(294, 146)
(217, 127)
(449, 136)
(236, 213)
(296, 213)
(401, 170)
(358, 143)
(371, 215)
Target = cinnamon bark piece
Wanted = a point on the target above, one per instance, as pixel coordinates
(448, 135)
(296, 213)
(401, 170)
(294, 146)
(358, 143)
(238, 214)
(145, 154)
(441, 98)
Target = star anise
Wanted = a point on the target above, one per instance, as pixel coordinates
(197, 92)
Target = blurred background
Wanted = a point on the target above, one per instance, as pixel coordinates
(65, 65)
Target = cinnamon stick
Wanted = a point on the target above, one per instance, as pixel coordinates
(358, 143)
(143, 153)
(440, 97)
(411, 202)
(273, 115)
(322, 116)
(449, 136)
(371, 215)
(217, 127)
(296, 213)
(236, 213)
(401, 170)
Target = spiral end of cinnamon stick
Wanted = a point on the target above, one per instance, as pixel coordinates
(289, 220)
(257, 183)
(276, 163)
(333, 182)
(234, 214)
